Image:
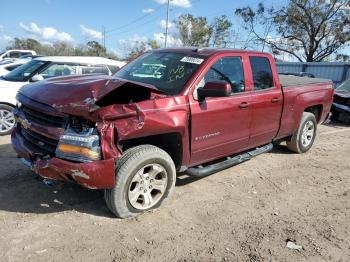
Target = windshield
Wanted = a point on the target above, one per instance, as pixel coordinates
(23, 72)
(168, 72)
(344, 87)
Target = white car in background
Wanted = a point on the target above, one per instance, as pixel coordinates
(13, 54)
(6, 66)
(43, 68)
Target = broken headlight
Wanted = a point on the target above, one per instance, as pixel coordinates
(80, 142)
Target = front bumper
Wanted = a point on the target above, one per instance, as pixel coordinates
(95, 175)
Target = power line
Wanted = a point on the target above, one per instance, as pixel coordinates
(134, 21)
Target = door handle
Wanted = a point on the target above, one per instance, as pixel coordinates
(243, 105)
(275, 100)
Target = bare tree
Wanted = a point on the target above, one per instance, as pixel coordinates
(309, 30)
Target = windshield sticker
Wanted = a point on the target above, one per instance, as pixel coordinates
(192, 60)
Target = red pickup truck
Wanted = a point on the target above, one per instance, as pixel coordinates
(188, 110)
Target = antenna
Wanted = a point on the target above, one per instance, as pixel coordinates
(167, 24)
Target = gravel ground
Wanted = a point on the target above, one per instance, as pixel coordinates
(245, 213)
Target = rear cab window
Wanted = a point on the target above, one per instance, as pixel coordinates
(262, 72)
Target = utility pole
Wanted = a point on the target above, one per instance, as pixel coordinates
(167, 24)
(104, 37)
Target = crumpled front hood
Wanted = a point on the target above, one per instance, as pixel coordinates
(76, 93)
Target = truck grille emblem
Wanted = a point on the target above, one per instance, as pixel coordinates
(25, 123)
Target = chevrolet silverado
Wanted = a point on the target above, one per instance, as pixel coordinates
(189, 110)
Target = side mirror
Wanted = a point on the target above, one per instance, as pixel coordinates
(36, 78)
(214, 89)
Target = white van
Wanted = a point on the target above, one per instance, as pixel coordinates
(42, 68)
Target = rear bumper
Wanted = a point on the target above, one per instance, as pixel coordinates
(95, 175)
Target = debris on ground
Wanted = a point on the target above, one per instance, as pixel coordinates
(41, 251)
(58, 202)
(293, 245)
(48, 182)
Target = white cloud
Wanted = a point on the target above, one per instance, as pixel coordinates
(46, 33)
(163, 24)
(90, 33)
(171, 42)
(147, 10)
(133, 40)
(2, 28)
(178, 3)
(4, 41)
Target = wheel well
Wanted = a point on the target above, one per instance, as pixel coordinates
(316, 110)
(8, 104)
(169, 142)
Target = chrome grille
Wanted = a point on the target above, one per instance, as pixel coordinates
(42, 118)
(39, 143)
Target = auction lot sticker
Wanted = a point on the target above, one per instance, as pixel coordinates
(192, 60)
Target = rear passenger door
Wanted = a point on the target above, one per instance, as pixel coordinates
(266, 101)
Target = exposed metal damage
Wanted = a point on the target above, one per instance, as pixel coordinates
(118, 116)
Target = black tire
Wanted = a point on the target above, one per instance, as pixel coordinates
(132, 161)
(6, 108)
(296, 142)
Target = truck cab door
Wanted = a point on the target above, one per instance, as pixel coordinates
(220, 126)
(266, 101)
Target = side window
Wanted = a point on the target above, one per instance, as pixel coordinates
(25, 54)
(15, 54)
(59, 70)
(113, 69)
(262, 74)
(228, 69)
(94, 70)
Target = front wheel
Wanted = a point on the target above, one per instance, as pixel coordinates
(145, 177)
(303, 139)
(7, 119)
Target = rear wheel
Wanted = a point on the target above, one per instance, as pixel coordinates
(303, 139)
(145, 177)
(7, 119)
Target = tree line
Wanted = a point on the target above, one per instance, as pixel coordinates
(307, 30)
(91, 48)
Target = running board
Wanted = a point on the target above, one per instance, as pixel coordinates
(229, 162)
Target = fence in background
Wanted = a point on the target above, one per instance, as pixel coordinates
(337, 71)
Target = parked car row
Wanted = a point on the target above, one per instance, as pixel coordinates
(16, 73)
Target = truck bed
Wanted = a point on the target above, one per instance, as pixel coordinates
(290, 80)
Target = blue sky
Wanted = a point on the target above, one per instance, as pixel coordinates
(79, 21)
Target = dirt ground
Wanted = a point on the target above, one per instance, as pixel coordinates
(245, 213)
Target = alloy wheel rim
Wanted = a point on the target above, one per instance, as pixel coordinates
(147, 186)
(308, 133)
(7, 120)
